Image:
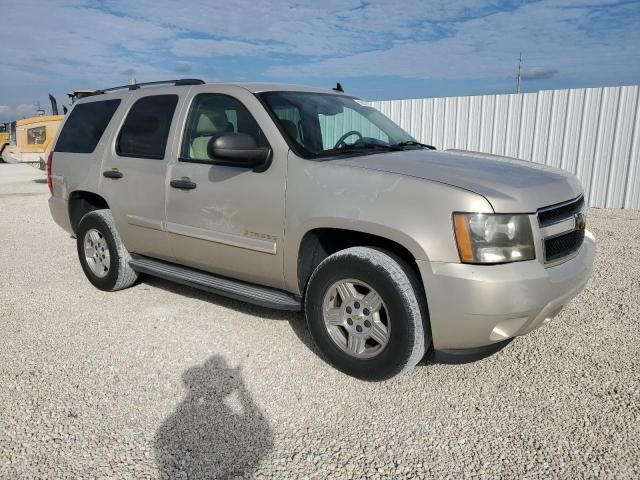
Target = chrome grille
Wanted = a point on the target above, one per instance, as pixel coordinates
(558, 247)
(552, 214)
(562, 228)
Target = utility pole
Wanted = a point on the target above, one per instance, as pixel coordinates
(519, 73)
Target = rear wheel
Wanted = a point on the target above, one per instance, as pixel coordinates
(102, 254)
(367, 314)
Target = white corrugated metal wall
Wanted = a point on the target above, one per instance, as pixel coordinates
(592, 132)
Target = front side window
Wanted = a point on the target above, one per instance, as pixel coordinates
(212, 115)
(323, 125)
(36, 135)
(145, 131)
(84, 128)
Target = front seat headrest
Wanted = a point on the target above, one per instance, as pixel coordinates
(213, 122)
(290, 129)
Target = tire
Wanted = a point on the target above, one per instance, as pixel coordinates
(403, 313)
(115, 274)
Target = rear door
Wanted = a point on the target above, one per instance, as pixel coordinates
(231, 222)
(134, 171)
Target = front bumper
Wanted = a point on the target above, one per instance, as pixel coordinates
(474, 306)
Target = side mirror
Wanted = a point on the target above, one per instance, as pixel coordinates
(238, 150)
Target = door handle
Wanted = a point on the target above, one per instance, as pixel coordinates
(183, 184)
(112, 174)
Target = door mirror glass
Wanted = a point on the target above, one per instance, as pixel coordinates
(239, 150)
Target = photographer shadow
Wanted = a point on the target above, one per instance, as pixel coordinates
(217, 431)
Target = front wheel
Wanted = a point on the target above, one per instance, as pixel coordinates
(103, 256)
(366, 313)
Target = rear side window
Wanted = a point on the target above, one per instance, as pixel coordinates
(84, 127)
(145, 131)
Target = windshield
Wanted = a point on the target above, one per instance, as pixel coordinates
(323, 125)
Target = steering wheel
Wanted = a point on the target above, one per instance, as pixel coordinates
(341, 140)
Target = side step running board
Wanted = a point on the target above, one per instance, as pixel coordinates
(247, 292)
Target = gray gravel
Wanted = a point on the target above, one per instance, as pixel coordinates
(165, 381)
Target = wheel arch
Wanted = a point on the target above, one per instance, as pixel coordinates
(318, 243)
(82, 202)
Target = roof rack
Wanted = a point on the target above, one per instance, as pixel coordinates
(136, 86)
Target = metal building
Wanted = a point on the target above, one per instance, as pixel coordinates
(592, 132)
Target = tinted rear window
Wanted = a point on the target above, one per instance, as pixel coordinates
(145, 131)
(84, 127)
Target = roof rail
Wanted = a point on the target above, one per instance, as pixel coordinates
(136, 86)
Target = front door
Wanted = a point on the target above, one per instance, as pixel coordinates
(228, 220)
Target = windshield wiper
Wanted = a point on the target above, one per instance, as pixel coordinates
(358, 147)
(412, 143)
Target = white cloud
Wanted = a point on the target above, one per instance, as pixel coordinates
(552, 38)
(182, 68)
(539, 73)
(23, 110)
(88, 44)
(191, 47)
(78, 47)
(330, 27)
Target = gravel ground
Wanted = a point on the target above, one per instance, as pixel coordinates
(165, 381)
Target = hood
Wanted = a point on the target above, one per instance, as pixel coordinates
(510, 185)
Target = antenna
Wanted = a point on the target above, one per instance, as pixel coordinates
(338, 88)
(39, 110)
(519, 73)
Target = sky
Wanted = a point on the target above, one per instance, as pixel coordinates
(377, 49)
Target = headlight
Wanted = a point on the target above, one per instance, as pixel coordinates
(488, 238)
